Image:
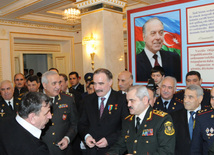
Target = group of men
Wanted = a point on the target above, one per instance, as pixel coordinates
(110, 122)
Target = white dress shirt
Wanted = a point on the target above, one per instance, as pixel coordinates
(151, 59)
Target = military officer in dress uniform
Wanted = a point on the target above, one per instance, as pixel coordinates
(203, 134)
(145, 131)
(20, 87)
(166, 102)
(8, 105)
(62, 129)
(194, 77)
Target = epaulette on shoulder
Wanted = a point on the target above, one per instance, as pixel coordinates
(180, 91)
(159, 113)
(205, 111)
(70, 94)
(206, 89)
(178, 100)
(20, 96)
(130, 117)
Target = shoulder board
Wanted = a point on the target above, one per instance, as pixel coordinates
(64, 94)
(70, 94)
(178, 100)
(130, 117)
(205, 111)
(180, 91)
(206, 89)
(20, 96)
(159, 113)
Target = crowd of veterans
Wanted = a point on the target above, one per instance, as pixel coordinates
(57, 119)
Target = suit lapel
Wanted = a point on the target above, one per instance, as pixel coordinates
(164, 58)
(146, 61)
(186, 125)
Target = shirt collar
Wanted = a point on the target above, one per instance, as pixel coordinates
(29, 127)
(150, 54)
(142, 115)
(75, 87)
(106, 96)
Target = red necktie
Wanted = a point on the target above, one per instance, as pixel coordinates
(156, 60)
(102, 106)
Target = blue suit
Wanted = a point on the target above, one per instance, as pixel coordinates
(203, 134)
(170, 62)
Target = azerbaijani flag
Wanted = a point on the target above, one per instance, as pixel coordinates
(172, 37)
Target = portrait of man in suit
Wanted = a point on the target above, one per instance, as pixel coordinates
(153, 55)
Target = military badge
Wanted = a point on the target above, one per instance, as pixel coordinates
(64, 116)
(116, 106)
(147, 132)
(63, 106)
(2, 112)
(209, 132)
(110, 107)
(169, 130)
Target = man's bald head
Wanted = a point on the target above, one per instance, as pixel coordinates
(125, 80)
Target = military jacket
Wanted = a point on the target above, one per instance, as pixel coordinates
(203, 134)
(156, 135)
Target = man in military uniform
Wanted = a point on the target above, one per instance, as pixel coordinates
(20, 87)
(62, 129)
(203, 134)
(33, 83)
(166, 102)
(145, 131)
(194, 77)
(8, 105)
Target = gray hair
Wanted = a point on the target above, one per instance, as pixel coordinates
(172, 78)
(6, 81)
(141, 91)
(46, 74)
(151, 19)
(196, 88)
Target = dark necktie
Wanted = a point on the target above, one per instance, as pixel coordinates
(165, 104)
(102, 106)
(10, 105)
(137, 124)
(191, 123)
(156, 60)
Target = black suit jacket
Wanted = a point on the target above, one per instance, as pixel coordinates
(170, 62)
(109, 125)
(80, 88)
(63, 123)
(5, 110)
(15, 140)
(183, 142)
(174, 105)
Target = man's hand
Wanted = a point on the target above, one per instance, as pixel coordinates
(63, 144)
(90, 141)
(102, 143)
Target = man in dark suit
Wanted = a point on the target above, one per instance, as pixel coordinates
(152, 55)
(62, 129)
(74, 81)
(8, 105)
(194, 77)
(20, 87)
(21, 135)
(203, 135)
(166, 102)
(145, 131)
(181, 119)
(102, 116)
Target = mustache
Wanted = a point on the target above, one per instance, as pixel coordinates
(97, 91)
(166, 93)
(130, 107)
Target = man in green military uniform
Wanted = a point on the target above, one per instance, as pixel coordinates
(145, 131)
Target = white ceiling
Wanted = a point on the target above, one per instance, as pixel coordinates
(49, 12)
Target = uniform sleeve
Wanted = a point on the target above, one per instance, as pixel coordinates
(72, 131)
(197, 141)
(166, 137)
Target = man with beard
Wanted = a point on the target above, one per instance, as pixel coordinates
(102, 116)
(166, 102)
